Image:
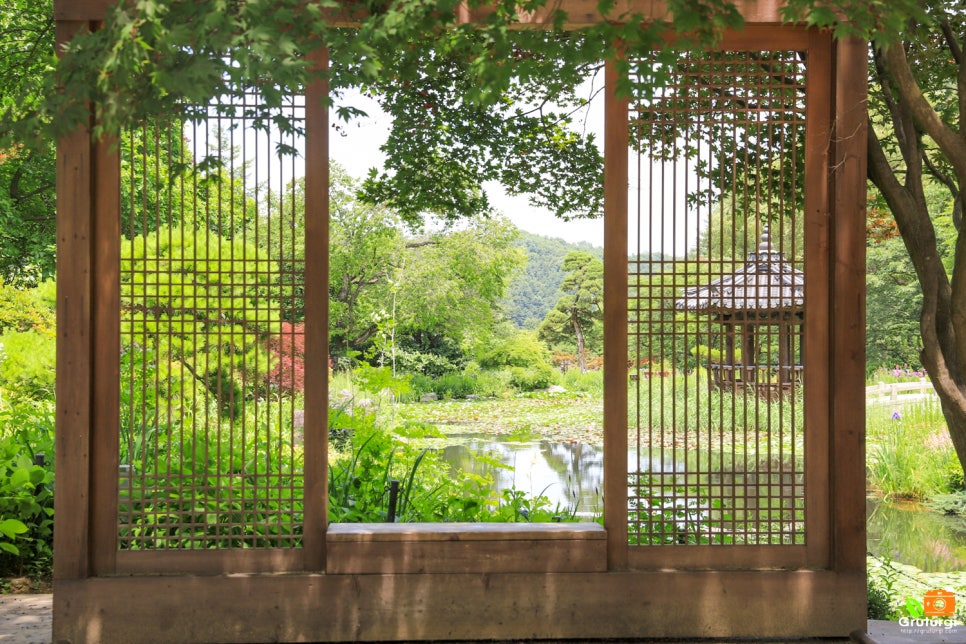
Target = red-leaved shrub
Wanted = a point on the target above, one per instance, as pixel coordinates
(288, 352)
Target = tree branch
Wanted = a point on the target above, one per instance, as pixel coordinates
(913, 101)
(951, 41)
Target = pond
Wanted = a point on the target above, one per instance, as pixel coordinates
(571, 475)
(913, 535)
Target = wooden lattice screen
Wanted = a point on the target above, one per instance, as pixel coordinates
(716, 303)
(211, 287)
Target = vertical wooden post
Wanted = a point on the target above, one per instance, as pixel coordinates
(74, 345)
(616, 133)
(106, 304)
(816, 360)
(848, 181)
(316, 315)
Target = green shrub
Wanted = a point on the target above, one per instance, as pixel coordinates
(451, 385)
(493, 383)
(26, 489)
(537, 377)
(27, 365)
(588, 382)
(28, 309)
(528, 361)
(428, 364)
(489, 383)
(519, 350)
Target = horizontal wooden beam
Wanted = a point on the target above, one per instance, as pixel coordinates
(317, 607)
(392, 548)
(362, 532)
(579, 12)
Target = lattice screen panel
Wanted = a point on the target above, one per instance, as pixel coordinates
(211, 332)
(716, 302)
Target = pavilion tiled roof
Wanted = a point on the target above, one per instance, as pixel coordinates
(765, 282)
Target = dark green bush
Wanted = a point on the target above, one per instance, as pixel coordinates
(451, 385)
(427, 364)
(879, 602)
(26, 489)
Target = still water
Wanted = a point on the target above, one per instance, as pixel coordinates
(571, 476)
(910, 534)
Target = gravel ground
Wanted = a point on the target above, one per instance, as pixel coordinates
(26, 619)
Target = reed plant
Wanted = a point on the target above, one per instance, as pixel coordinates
(910, 454)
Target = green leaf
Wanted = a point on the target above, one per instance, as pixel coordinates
(9, 547)
(11, 527)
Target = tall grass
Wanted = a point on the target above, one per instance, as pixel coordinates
(690, 405)
(910, 454)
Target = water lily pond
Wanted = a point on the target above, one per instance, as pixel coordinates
(570, 475)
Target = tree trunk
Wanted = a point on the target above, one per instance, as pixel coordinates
(944, 299)
(581, 359)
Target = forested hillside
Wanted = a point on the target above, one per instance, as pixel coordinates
(535, 291)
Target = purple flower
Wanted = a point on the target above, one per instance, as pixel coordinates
(896, 415)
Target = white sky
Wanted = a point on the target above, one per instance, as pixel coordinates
(355, 146)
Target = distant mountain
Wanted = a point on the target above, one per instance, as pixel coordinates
(535, 292)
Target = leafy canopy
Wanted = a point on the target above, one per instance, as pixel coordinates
(469, 102)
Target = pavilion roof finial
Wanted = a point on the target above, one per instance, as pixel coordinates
(765, 245)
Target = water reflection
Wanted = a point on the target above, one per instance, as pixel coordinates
(911, 535)
(571, 475)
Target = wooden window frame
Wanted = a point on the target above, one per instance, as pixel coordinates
(399, 583)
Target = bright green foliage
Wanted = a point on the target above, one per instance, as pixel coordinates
(526, 357)
(27, 361)
(28, 309)
(452, 282)
(205, 308)
(579, 313)
(27, 343)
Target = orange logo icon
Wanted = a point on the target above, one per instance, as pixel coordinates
(939, 603)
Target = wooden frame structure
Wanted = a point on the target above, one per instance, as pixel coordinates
(432, 582)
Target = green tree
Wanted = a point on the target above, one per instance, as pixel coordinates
(366, 244)
(216, 328)
(534, 292)
(916, 145)
(453, 281)
(26, 172)
(580, 308)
